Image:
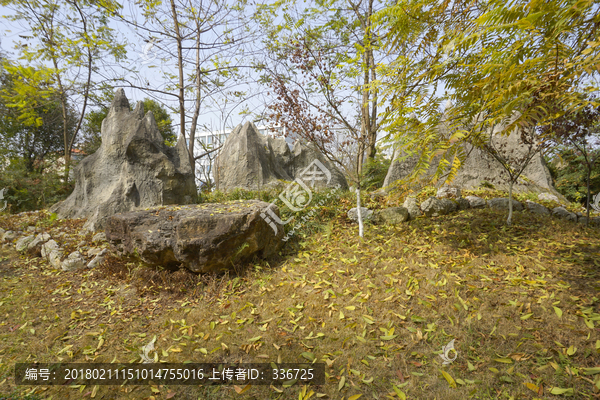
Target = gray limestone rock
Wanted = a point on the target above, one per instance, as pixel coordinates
(433, 207)
(55, 257)
(476, 202)
(563, 213)
(48, 247)
(480, 167)
(132, 169)
(448, 192)
(366, 214)
(463, 204)
(99, 237)
(9, 236)
(98, 259)
(412, 206)
(315, 170)
(73, 262)
(204, 238)
(548, 197)
(392, 215)
(501, 203)
(23, 243)
(35, 247)
(251, 161)
(536, 208)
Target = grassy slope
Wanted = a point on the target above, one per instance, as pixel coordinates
(521, 302)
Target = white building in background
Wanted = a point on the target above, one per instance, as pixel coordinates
(207, 141)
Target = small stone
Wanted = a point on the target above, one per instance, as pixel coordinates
(365, 213)
(54, 258)
(502, 204)
(30, 228)
(536, 208)
(99, 237)
(548, 197)
(97, 260)
(48, 247)
(23, 242)
(392, 215)
(73, 262)
(563, 213)
(448, 192)
(9, 236)
(433, 207)
(463, 204)
(35, 246)
(476, 202)
(582, 220)
(93, 251)
(412, 206)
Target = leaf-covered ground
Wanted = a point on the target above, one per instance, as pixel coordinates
(521, 302)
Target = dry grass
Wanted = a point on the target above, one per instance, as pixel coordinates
(376, 311)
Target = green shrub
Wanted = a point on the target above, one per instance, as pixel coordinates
(569, 173)
(374, 172)
(27, 191)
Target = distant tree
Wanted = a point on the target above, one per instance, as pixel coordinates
(33, 131)
(92, 137)
(579, 131)
(72, 39)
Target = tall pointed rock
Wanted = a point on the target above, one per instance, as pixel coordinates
(132, 169)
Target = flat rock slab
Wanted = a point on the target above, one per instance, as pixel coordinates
(204, 237)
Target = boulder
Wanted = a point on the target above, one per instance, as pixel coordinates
(316, 175)
(99, 237)
(251, 161)
(97, 260)
(392, 215)
(501, 203)
(433, 207)
(204, 237)
(54, 258)
(23, 243)
(536, 208)
(48, 247)
(132, 169)
(582, 220)
(563, 213)
(35, 247)
(548, 197)
(9, 236)
(412, 206)
(448, 192)
(73, 262)
(476, 202)
(366, 214)
(463, 204)
(479, 166)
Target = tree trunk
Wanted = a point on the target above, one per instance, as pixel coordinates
(510, 205)
(361, 232)
(181, 96)
(587, 206)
